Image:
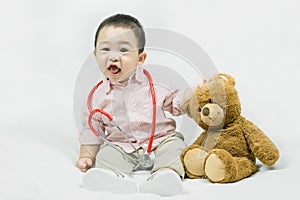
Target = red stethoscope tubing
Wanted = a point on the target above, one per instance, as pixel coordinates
(152, 91)
(94, 111)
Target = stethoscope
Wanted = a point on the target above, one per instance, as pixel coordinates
(145, 160)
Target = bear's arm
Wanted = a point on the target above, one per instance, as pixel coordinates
(260, 144)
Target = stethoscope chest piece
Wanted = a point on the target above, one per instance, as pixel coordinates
(146, 160)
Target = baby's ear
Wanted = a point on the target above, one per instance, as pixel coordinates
(142, 58)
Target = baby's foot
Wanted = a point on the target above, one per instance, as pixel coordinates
(97, 179)
(164, 182)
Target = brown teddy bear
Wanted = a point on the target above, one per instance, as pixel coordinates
(227, 149)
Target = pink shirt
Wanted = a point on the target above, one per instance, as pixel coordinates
(130, 105)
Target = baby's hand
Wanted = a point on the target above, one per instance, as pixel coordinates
(83, 164)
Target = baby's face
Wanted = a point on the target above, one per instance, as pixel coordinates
(117, 53)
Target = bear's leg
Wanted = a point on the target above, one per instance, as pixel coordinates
(221, 167)
(193, 162)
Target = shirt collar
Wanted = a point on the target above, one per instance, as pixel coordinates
(137, 77)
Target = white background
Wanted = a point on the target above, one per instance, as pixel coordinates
(44, 43)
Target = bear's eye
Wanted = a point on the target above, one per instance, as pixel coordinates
(199, 109)
(211, 101)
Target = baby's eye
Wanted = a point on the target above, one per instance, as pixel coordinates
(105, 49)
(124, 50)
(211, 101)
(199, 109)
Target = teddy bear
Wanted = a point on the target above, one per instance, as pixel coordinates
(227, 149)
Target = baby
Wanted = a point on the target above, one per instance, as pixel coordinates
(125, 94)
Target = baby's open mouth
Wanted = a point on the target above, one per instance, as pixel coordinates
(114, 69)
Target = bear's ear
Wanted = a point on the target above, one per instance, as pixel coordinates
(226, 78)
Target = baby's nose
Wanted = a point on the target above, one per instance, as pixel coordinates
(114, 55)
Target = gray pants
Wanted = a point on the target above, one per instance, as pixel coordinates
(167, 155)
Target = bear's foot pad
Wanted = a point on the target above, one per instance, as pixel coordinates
(215, 168)
(194, 160)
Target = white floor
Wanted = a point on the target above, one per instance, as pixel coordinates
(43, 168)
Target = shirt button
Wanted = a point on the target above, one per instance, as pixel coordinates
(141, 123)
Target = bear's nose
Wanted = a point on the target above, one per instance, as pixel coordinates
(205, 111)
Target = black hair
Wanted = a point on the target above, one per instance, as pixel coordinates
(125, 21)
